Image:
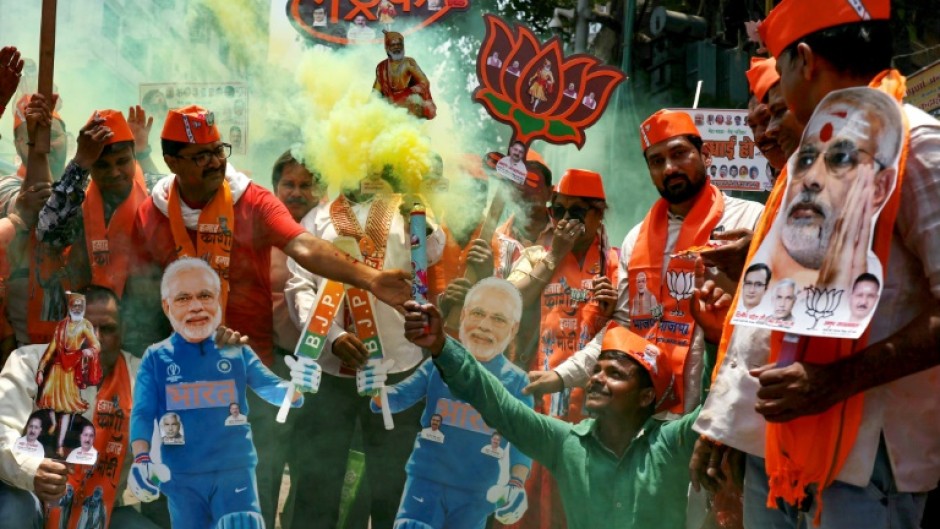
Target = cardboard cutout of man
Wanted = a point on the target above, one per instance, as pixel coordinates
(449, 474)
(209, 479)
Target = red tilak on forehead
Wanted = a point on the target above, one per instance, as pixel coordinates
(826, 132)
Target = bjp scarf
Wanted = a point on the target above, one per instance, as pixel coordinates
(666, 325)
(215, 233)
(109, 247)
(112, 427)
(812, 450)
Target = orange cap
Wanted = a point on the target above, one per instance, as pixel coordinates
(532, 156)
(762, 75)
(665, 124)
(581, 183)
(794, 19)
(115, 121)
(19, 111)
(192, 124)
(649, 356)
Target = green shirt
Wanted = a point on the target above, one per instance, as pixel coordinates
(645, 489)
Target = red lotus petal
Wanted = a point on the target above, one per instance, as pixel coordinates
(497, 34)
(526, 47)
(552, 53)
(573, 70)
(602, 81)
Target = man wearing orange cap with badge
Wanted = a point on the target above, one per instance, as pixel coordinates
(621, 468)
(98, 223)
(210, 210)
(571, 276)
(690, 211)
(870, 467)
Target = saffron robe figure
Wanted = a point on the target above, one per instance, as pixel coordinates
(400, 80)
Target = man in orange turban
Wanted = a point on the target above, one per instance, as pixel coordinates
(400, 80)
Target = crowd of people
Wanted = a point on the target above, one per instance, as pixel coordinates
(552, 380)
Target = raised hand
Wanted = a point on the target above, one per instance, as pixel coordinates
(140, 126)
(11, 69)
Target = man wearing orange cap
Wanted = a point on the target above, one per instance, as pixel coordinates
(101, 219)
(690, 211)
(209, 209)
(40, 274)
(621, 468)
(886, 450)
(571, 276)
(400, 80)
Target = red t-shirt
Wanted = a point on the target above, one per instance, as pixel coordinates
(261, 221)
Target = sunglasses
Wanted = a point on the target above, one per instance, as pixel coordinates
(560, 212)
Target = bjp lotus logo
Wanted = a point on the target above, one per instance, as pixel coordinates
(536, 90)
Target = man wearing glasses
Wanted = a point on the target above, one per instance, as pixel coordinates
(208, 209)
(756, 279)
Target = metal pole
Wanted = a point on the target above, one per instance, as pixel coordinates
(582, 15)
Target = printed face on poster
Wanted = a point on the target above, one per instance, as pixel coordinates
(815, 273)
(737, 163)
(228, 101)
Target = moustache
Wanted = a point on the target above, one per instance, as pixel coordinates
(595, 388)
(807, 202)
(297, 201)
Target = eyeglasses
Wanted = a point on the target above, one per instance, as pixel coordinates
(184, 300)
(574, 212)
(222, 152)
(754, 284)
(839, 158)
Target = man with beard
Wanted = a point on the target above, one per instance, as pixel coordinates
(209, 477)
(620, 468)
(891, 444)
(851, 141)
(690, 211)
(448, 473)
(400, 80)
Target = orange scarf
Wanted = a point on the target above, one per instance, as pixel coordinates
(215, 232)
(570, 319)
(812, 450)
(672, 328)
(109, 247)
(112, 427)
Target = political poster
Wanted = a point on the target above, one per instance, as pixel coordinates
(737, 163)
(815, 272)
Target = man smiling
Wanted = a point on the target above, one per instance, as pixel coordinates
(449, 474)
(619, 469)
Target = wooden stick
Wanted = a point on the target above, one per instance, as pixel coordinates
(46, 66)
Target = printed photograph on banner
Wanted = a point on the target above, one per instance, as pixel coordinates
(815, 273)
(737, 163)
(512, 166)
(37, 434)
(228, 102)
(354, 22)
(85, 453)
(171, 429)
(235, 415)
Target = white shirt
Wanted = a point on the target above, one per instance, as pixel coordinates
(576, 371)
(301, 289)
(17, 394)
(906, 411)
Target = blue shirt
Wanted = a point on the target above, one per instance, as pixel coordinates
(198, 381)
(460, 460)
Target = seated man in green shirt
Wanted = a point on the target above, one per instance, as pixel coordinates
(621, 469)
